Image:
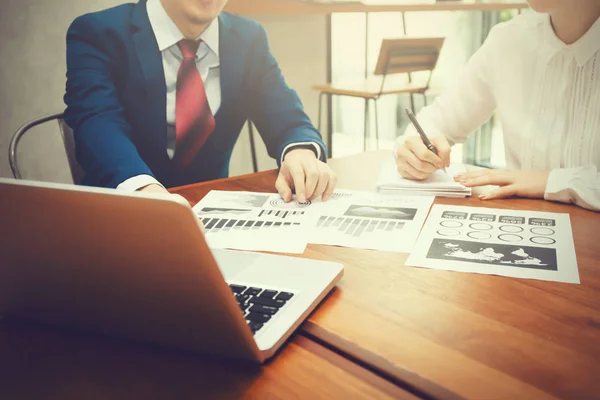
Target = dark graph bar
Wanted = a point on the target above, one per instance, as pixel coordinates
(221, 223)
(211, 223)
(361, 228)
(372, 226)
(231, 223)
(345, 224)
(353, 225)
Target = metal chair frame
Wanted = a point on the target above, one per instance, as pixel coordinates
(367, 126)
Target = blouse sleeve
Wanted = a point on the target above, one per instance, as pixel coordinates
(580, 186)
(468, 103)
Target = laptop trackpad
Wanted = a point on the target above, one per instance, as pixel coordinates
(231, 263)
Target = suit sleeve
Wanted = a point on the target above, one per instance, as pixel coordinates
(273, 106)
(102, 135)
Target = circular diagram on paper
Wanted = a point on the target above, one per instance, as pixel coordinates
(279, 203)
(542, 240)
(451, 224)
(511, 229)
(479, 235)
(448, 232)
(480, 226)
(542, 231)
(509, 237)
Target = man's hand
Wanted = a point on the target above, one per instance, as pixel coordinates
(415, 161)
(154, 188)
(530, 184)
(309, 177)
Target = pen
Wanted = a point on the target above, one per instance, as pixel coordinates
(424, 137)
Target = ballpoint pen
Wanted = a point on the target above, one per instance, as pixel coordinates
(426, 141)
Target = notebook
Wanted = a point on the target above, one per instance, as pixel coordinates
(440, 183)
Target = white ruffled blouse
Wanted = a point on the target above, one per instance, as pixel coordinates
(547, 96)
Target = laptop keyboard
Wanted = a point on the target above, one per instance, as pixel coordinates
(258, 304)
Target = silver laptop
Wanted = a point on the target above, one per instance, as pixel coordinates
(138, 266)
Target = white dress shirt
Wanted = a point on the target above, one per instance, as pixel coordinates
(207, 61)
(547, 96)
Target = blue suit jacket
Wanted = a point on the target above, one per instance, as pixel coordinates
(116, 99)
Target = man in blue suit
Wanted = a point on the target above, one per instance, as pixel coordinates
(158, 91)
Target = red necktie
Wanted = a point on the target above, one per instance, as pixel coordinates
(194, 121)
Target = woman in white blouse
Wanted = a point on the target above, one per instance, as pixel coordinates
(541, 73)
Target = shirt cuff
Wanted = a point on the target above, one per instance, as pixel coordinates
(137, 182)
(559, 186)
(291, 146)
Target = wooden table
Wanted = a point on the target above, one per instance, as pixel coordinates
(453, 335)
(38, 362)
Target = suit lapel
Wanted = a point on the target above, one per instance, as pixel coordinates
(150, 62)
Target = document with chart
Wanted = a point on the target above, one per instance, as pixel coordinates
(264, 222)
(521, 244)
(371, 221)
(252, 221)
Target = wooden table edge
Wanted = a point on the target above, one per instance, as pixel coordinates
(352, 367)
(368, 360)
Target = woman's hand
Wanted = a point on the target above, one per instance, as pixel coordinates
(530, 184)
(415, 161)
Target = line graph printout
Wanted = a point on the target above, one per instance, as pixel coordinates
(522, 244)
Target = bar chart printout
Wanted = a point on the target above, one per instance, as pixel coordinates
(387, 223)
(246, 221)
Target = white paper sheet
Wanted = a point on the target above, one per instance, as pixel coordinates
(251, 221)
(440, 183)
(371, 221)
(521, 244)
(264, 222)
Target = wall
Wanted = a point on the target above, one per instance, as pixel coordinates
(32, 67)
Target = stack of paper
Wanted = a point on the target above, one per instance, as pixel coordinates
(440, 183)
